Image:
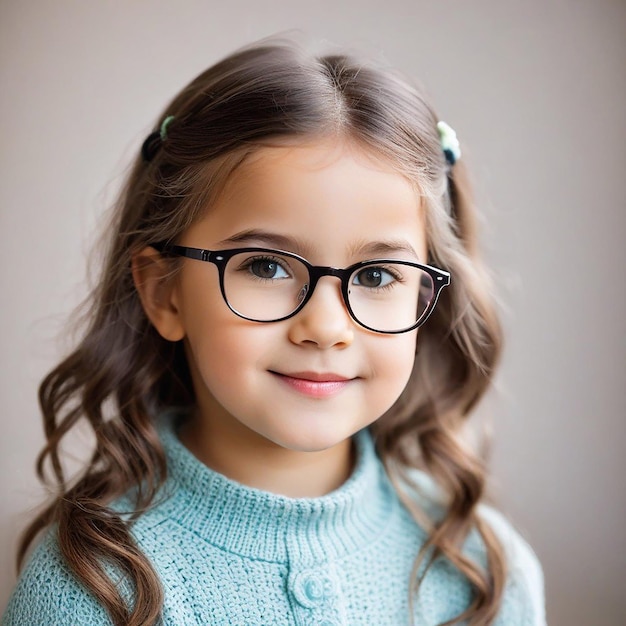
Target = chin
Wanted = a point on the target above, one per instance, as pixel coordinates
(312, 439)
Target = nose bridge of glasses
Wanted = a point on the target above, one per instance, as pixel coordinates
(317, 272)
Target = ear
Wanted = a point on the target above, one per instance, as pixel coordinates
(157, 292)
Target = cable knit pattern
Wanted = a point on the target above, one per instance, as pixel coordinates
(231, 555)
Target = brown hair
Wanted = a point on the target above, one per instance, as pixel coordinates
(123, 373)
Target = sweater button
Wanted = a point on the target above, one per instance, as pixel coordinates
(312, 589)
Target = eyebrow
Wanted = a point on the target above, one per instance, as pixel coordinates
(368, 249)
(269, 239)
(384, 248)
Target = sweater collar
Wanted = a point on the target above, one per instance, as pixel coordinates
(262, 525)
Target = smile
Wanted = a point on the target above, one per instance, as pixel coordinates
(314, 384)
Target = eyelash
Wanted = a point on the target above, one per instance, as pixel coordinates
(397, 277)
(279, 261)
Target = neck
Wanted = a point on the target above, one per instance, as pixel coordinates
(243, 455)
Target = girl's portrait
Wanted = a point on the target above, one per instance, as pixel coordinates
(281, 391)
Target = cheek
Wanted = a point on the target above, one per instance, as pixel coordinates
(215, 338)
(217, 350)
(228, 355)
(398, 354)
(392, 364)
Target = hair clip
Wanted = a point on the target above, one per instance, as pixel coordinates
(154, 140)
(166, 122)
(449, 143)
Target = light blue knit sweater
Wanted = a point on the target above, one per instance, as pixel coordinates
(231, 555)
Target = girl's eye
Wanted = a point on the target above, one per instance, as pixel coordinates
(267, 268)
(373, 277)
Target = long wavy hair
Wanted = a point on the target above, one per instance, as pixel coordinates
(122, 374)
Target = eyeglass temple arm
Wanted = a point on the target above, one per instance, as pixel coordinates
(190, 253)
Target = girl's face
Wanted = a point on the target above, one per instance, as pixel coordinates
(310, 382)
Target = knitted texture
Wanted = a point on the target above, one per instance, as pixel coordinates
(231, 555)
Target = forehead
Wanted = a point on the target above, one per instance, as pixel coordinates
(330, 195)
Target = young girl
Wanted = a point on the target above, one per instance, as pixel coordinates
(291, 329)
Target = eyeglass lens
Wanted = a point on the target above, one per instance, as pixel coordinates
(385, 296)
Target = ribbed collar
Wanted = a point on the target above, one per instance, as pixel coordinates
(262, 525)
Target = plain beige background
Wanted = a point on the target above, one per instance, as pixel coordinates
(536, 91)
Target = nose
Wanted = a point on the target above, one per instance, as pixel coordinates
(324, 321)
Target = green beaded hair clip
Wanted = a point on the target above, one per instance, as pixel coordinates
(154, 140)
(449, 143)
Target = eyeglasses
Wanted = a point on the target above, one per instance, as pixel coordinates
(263, 285)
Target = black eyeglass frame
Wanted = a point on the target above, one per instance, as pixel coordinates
(220, 258)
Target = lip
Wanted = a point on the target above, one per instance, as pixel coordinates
(318, 377)
(314, 384)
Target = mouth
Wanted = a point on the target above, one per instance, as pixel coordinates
(314, 384)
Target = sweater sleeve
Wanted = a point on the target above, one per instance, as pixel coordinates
(48, 594)
(524, 597)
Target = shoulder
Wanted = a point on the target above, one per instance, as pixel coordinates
(524, 598)
(48, 594)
